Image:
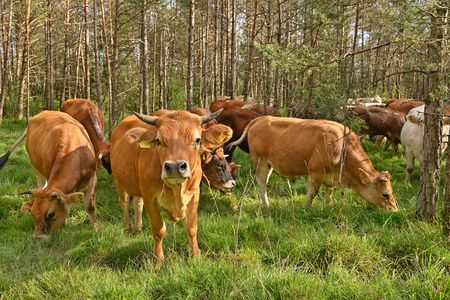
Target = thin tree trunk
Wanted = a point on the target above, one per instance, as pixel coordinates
(49, 57)
(216, 48)
(98, 83)
(28, 43)
(6, 40)
(190, 73)
(205, 58)
(232, 77)
(154, 61)
(251, 46)
(144, 58)
(87, 65)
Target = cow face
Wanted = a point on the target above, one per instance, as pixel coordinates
(49, 209)
(378, 191)
(177, 139)
(217, 171)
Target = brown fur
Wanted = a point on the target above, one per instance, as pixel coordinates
(62, 154)
(85, 112)
(381, 121)
(296, 147)
(403, 105)
(139, 172)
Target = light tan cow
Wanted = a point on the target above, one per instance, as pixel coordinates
(162, 164)
(315, 148)
(64, 162)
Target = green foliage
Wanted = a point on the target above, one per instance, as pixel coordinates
(328, 251)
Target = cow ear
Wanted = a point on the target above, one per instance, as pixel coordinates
(364, 176)
(26, 207)
(446, 120)
(413, 119)
(70, 200)
(206, 155)
(141, 136)
(216, 135)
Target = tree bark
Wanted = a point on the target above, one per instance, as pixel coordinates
(190, 73)
(428, 196)
(49, 57)
(87, 65)
(144, 58)
(98, 83)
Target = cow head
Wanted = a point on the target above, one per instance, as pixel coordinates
(178, 139)
(49, 208)
(418, 120)
(377, 190)
(217, 171)
(104, 157)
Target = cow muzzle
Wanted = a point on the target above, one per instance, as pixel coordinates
(228, 186)
(176, 171)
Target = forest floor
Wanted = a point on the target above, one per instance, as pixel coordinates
(342, 250)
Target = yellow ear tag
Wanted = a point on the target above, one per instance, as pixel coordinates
(144, 144)
(221, 138)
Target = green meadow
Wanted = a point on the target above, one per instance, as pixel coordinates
(342, 250)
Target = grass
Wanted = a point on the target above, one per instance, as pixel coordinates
(345, 250)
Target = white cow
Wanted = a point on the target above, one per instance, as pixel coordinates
(412, 134)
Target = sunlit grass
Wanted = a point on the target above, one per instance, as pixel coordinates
(341, 250)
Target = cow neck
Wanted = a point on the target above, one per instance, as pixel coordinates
(72, 171)
(350, 176)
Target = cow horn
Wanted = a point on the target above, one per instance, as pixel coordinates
(26, 193)
(146, 119)
(211, 116)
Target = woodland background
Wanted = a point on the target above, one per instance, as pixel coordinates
(145, 55)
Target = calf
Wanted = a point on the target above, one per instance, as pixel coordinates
(326, 151)
(85, 112)
(64, 162)
(162, 164)
(412, 137)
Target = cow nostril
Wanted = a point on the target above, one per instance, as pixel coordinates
(167, 167)
(183, 167)
(386, 195)
(233, 183)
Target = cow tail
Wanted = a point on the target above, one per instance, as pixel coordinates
(5, 157)
(230, 146)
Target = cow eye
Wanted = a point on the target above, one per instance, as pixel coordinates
(197, 141)
(51, 216)
(157, 142)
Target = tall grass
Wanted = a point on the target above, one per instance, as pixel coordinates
(328, 251)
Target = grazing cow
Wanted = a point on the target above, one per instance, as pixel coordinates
(162, 164)
(64, 162)
(326, 151)
(382, 121)
(412, 137)
(85, 112)
(403, 106)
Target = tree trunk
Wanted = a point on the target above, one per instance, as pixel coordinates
(48, 58)
(428, 196)
(190, 73)
(251, 46)
(144, 58)
(6, 40)
(205, 76)
(87, 65)
(98, 83)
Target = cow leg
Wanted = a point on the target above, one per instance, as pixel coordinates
(387, 144)
(263, 172)
(90, 203)
(329, 194)
(378, 141)
(190, 224)
(409, 163)
(138, 206)
(158, 227)
(125, 203)
(313, 188)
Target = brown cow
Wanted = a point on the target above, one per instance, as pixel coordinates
(382, 121)
(85, 112)
(403, 106)
(64, 162)
(162, 164)
(315, 148)
(228, 103)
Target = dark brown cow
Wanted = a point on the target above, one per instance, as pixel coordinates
(85, 112)
(301, 147)
(64, 162)
(382, 121)
(162, 164)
